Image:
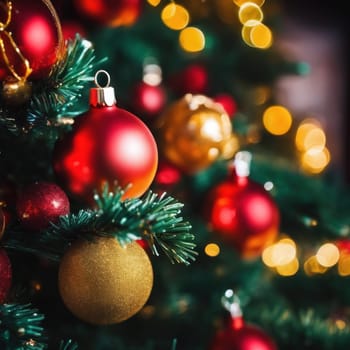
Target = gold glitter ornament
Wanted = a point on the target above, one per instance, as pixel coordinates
(194, 132)
(102, 282)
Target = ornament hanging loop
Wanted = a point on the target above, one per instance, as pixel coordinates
(231, 303)
(99, 72)
(102, 96)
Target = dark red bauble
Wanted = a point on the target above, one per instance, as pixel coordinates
(227, 102)
(2, 222)
(5, 275)
(106, 145)
(40, 203)
(244, 214)
(112, 13)
(167, 174)
(36, 38)
(193, 79)
(148, 100)
(245, 337)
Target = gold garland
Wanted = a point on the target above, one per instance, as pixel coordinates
(4, 34)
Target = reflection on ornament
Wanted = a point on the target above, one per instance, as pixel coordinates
(194, 132)
(242, 212)
(102, 282)
(16, 92)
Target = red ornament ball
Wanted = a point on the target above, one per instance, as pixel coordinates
(37, 42)
(149, 100)
(244, 215)
(110, 13)
(106, 145)
(227, 102)
(2, 222)
(193, 79)
(246, 337)
(40, 203)
(5, 275)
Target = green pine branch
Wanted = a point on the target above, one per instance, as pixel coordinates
(152, 218)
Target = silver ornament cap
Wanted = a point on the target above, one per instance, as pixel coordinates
(102, 96)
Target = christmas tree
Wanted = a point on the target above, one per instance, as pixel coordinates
(155, 191)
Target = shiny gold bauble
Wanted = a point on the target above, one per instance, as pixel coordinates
(104, 283)
(16, 92)
(194, 132)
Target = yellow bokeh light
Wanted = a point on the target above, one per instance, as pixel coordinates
(261, 36)
(277, 120)
(175, 16)
(328, 255)
(315, 160)
(344, 265)
(289, 269)
(280, 253)
(212, 249)
(250, 14)
(192, 39)
(303, 130)
(241, 2)
(261, 95)
(154, 2)
(312, 266)
(315, 138)
(245, 32)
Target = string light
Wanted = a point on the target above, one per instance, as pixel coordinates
(212, 250)
(192, 39)
(175, 16)
(277, 120)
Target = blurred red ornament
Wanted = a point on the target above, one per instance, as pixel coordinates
(114, 13)
(71, 28)
(40, 203)
(239, 335)
(107, 145)
(31, 38)
(193, 79)
(243, 213)
(5, 275)
(343, 245)
(148, 100)
(167, 174)
(228, 102)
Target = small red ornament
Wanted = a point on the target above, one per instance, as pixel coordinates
(242, 212)
(107, 145)
(167, 174)
(110, 13)
(41, 203)
(228, 102)
(193, 79)
(31, 39)
(239, 335)
(5, 275)
(149, 100)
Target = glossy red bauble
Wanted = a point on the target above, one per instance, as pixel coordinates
(40, 203)
(5, 275)
(33, 35)
(244, 215)
(106, 145)
(148, 100)
(113, 13)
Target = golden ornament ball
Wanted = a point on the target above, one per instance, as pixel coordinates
(194, 132)
(102, 282)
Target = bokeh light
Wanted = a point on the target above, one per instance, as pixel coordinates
(277, 120)
(261, 36)
(175, 16)
(192, 39)
(289, 269)
(315, 160)
(250, 14)
(303, 130)
(241, 2)
(328, 255)
(313, 267)
(212, 249)
(154, 2)
(280, 254)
